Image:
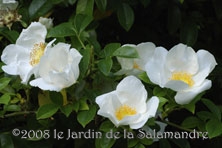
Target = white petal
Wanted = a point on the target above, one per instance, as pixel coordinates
(39, 82)
(35, 33)
(176, 85)
(108, 104)
(207, 63)
(152, 106)
(126, 63)
(182, 58)
(155, 67)
(14, 53)
(184, 97)
(145, 51)
(132, 92)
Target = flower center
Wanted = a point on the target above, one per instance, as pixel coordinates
(183, 76)
(136, 66)
(123, 111)
(36, 53)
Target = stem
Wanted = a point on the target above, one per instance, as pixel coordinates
(18, 113)
(177, 126)
(64, 95)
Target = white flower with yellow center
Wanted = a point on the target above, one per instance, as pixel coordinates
(58, 68)
(23, 57)
(128, 104)
(134, 66)
(182, 70)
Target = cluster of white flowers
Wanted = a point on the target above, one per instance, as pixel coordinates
(180, 69)
(54, 66)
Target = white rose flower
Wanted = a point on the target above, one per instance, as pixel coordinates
(128, 104)
(23, 57)
(134, 66)
(58, 68)
(48, 22)
(182, 70)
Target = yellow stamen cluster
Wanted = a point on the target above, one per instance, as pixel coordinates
(123, 111)
(136, 66)
(36, 53)
(183, 76)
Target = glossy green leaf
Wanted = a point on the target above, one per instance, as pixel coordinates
(11, 35)
(105, 65)
(126, 52)
(85, 7)
(85, 61)
(12, 108)
(4, 82)
(132, 142)
(4, 99)
(56, 97)
(62, 30)
(125, 16)
(67, 109)
(101, 4)
(214, 128)
(106, 126)
(159, 92)
(191, 122)
(212, 107)
(84, 117)
(109, 49)
(205, 115)
(46, 111)
(104, 142)
(81, 21)
(39, 8)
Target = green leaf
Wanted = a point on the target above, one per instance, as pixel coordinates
(56, 97)
(163, 101)
(126, 52)
(190, 107)
(4, 99)
(212, 107)
(6, 141)
(11, 35)
(143, 76)
(214, 128)
(4, 82)
(106, 126)
(104, 142)
(46, 111)
(189, 33)
(67, 109)
(132, 142)
(84, 117)
(85, 7)
(125, 16)
(62, 30)
(75, 106)
(159, 92)
(191, 122)
(109, 49)
(83, 104)
(205, 115)
(105, 65)
(38, 8)
(81, 21)
(85, 61)
(12, 108)
(174, 18)
(101, 4)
